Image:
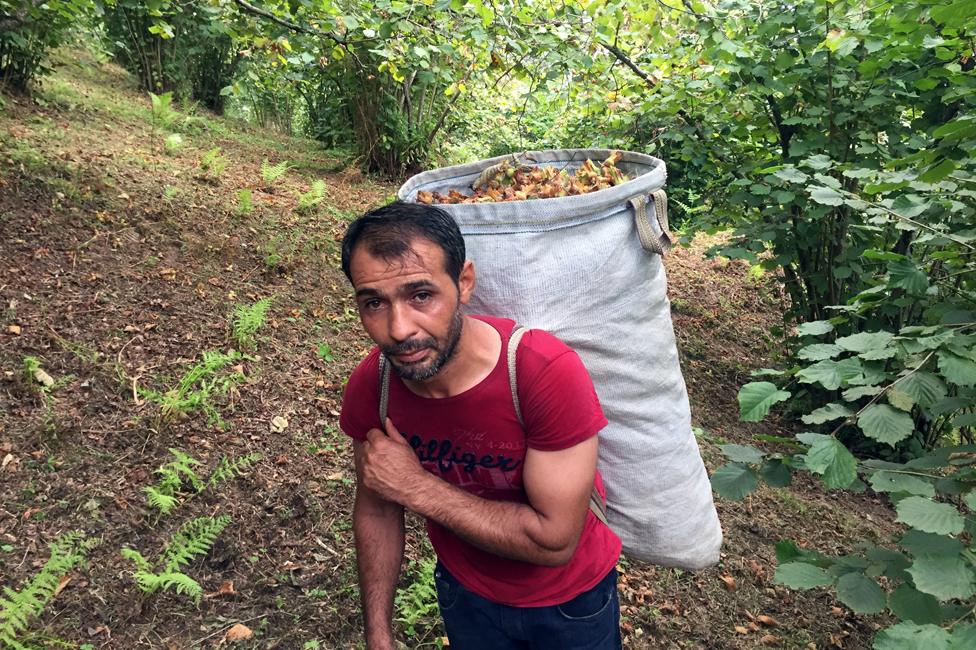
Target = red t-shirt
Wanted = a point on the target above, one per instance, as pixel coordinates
(474, 441)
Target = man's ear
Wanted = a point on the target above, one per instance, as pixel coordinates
(466, 281)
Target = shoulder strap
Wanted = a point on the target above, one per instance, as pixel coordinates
(596, 503)
(513, 343)
(384, 389)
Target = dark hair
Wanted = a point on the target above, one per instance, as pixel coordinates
(387, 233)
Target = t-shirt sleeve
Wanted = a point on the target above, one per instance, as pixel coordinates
(560, 407)
(361, 399)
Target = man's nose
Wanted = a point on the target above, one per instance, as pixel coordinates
(402, 327)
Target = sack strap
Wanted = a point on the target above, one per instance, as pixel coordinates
(651, 241)
(596, 503)
(384, 389)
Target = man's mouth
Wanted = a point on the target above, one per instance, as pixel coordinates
(411, 357)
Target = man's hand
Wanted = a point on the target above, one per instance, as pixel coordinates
(390, 468)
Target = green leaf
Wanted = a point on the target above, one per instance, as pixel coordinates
(809, 438)
(830, 374)
(921, 544)
(885, 424)
(825, 195)
(879, 355)
(787, 551)
(957, 370)
(865, 341)
(832, 411)
(970, 501)
(800, 575)
(862, 594)
(944, 577)
(963, 637)
(910, 604)
(819, 351)
(756, 398)
(791, 174)
(742, 453)
(885, 481)
(953, 14)
(854, 394)
(831, 459)
(904, 274)
(930, 517)
(909, 636)
(938, 171)
(814, 328)
(818, 162)
(775, 472)
(910, 205)
(924, 387)
(964, 420)
(900, 399)
(734, 481)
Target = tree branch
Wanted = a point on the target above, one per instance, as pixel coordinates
(257, 11)
(626, 60)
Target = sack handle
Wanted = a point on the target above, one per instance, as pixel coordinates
(651, 241)
(596, 503)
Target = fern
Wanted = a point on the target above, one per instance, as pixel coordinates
(163, 114)
(142, 564)
(248, 320)
(227, 469)
(194, 538)
(244, 203)
(176, 581)
(165, 503)
(18, 607)
(173, 475)
(196, 389)
(183, 466)
(213, 163)
(270, 173)
(312, 198)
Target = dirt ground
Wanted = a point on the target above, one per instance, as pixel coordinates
(121, 262)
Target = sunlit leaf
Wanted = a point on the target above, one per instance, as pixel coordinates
(756, 398)
(929, 516)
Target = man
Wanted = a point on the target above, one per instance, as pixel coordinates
(522, 562)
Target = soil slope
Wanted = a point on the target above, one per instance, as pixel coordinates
(122, 258)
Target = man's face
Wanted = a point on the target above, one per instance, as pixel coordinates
(411, 307)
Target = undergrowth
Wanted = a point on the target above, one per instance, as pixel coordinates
(193, 539)
(198, 387)
(180, 472)
(17, 608)
(246, 322)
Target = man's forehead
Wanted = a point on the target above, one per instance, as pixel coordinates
(422, 257)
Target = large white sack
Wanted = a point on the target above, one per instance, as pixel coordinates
(575, 266)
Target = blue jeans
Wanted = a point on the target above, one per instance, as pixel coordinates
(588, 622)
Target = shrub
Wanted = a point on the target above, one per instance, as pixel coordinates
(29, 31)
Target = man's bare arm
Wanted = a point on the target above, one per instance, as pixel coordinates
(545, 531)
(378, 528)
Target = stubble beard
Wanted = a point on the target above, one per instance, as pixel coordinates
(444, 354)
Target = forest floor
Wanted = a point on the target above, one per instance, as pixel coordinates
(121, 262)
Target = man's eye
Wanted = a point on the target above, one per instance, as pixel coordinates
(372, 304)
(423, 296)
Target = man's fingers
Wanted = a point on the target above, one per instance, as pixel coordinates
(374, 434)
(393, 432)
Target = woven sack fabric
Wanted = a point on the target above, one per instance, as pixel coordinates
(575, 266)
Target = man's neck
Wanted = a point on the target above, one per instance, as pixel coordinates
(474, 358)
